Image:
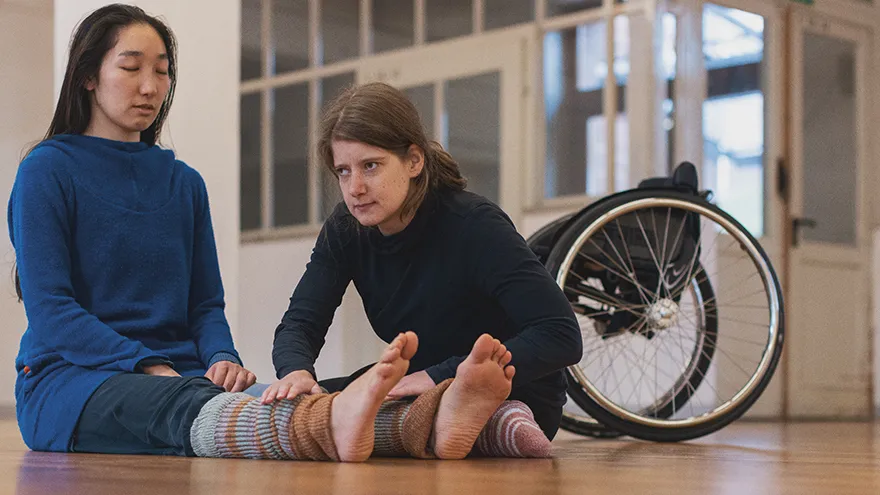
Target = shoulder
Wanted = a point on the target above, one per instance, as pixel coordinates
(475, 212)
(341, 226)
(50, 158)
(191, 181)
(190, 175)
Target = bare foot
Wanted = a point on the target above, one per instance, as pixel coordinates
(481, 384)
(354, 410)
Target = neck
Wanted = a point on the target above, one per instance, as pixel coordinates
(100, 126)
(396, 224)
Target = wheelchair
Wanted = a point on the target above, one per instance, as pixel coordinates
(680, 311)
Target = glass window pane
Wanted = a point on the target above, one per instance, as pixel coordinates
(473, 117)
(251, 40)
(562, 7)
(290, 184)
(250, 153)
(503, 13)
(575, 70)
(446, 19)
(597, 129)
(829, 130)
(733, 113)
(290, 32)
(340, 30)
(423, 99)
(668, 61)
(329, 88)
(392, 24)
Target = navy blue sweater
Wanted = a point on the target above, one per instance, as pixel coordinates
(118, 265)
(458, 270)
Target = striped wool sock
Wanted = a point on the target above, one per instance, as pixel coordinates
(512, 432)
(388, 428)
(237, 425)
(403, 427)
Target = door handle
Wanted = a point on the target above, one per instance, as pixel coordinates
(797, 224)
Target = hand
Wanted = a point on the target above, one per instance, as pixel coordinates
(295, 383)
(230, 376)
(415, 384)
(160, 370)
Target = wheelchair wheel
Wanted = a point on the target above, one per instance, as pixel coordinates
(680, 313)
(576, 421)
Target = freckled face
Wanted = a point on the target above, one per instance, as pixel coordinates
(375, 182)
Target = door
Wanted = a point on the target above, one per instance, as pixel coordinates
(828, 320)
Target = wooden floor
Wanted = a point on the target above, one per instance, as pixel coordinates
(745, 458)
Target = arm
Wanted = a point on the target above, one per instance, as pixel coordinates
(503, 267)
(39, 220)
(208, 325)
(300, 336)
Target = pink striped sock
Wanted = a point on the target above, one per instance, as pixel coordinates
(512, 432)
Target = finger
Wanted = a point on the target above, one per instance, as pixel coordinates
(219, 377)
(264, 399)
(240, 381)
(282, 391)
(316, 389)
(251, 379)
(300, 388)
(211, 372)
(229, 383)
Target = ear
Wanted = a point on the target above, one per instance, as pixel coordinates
(91, 83)
(415, 160)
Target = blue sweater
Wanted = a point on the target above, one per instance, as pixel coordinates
(118, 265)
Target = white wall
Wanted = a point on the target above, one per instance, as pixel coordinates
(25, 112)
(203, 125)
(269, 273)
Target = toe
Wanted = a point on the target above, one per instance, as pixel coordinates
(509, 372)
(390, 354)
(483, 348)
(499, 353)
(505, 359)
(410, 347)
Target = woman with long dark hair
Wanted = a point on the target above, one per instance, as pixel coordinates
(127, 348)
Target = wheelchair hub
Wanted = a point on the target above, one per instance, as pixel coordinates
(662, 314)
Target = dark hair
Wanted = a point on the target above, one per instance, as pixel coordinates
(93, 38)
(381, 115)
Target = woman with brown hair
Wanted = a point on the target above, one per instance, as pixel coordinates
(429, 257)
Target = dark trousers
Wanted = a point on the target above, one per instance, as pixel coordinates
(548, 416)
(142, 414)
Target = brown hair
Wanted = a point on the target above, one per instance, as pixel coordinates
(380, 115)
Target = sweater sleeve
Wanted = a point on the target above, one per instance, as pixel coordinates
(208, 325)
(40, 219)
(300, 335)
(502, 266)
